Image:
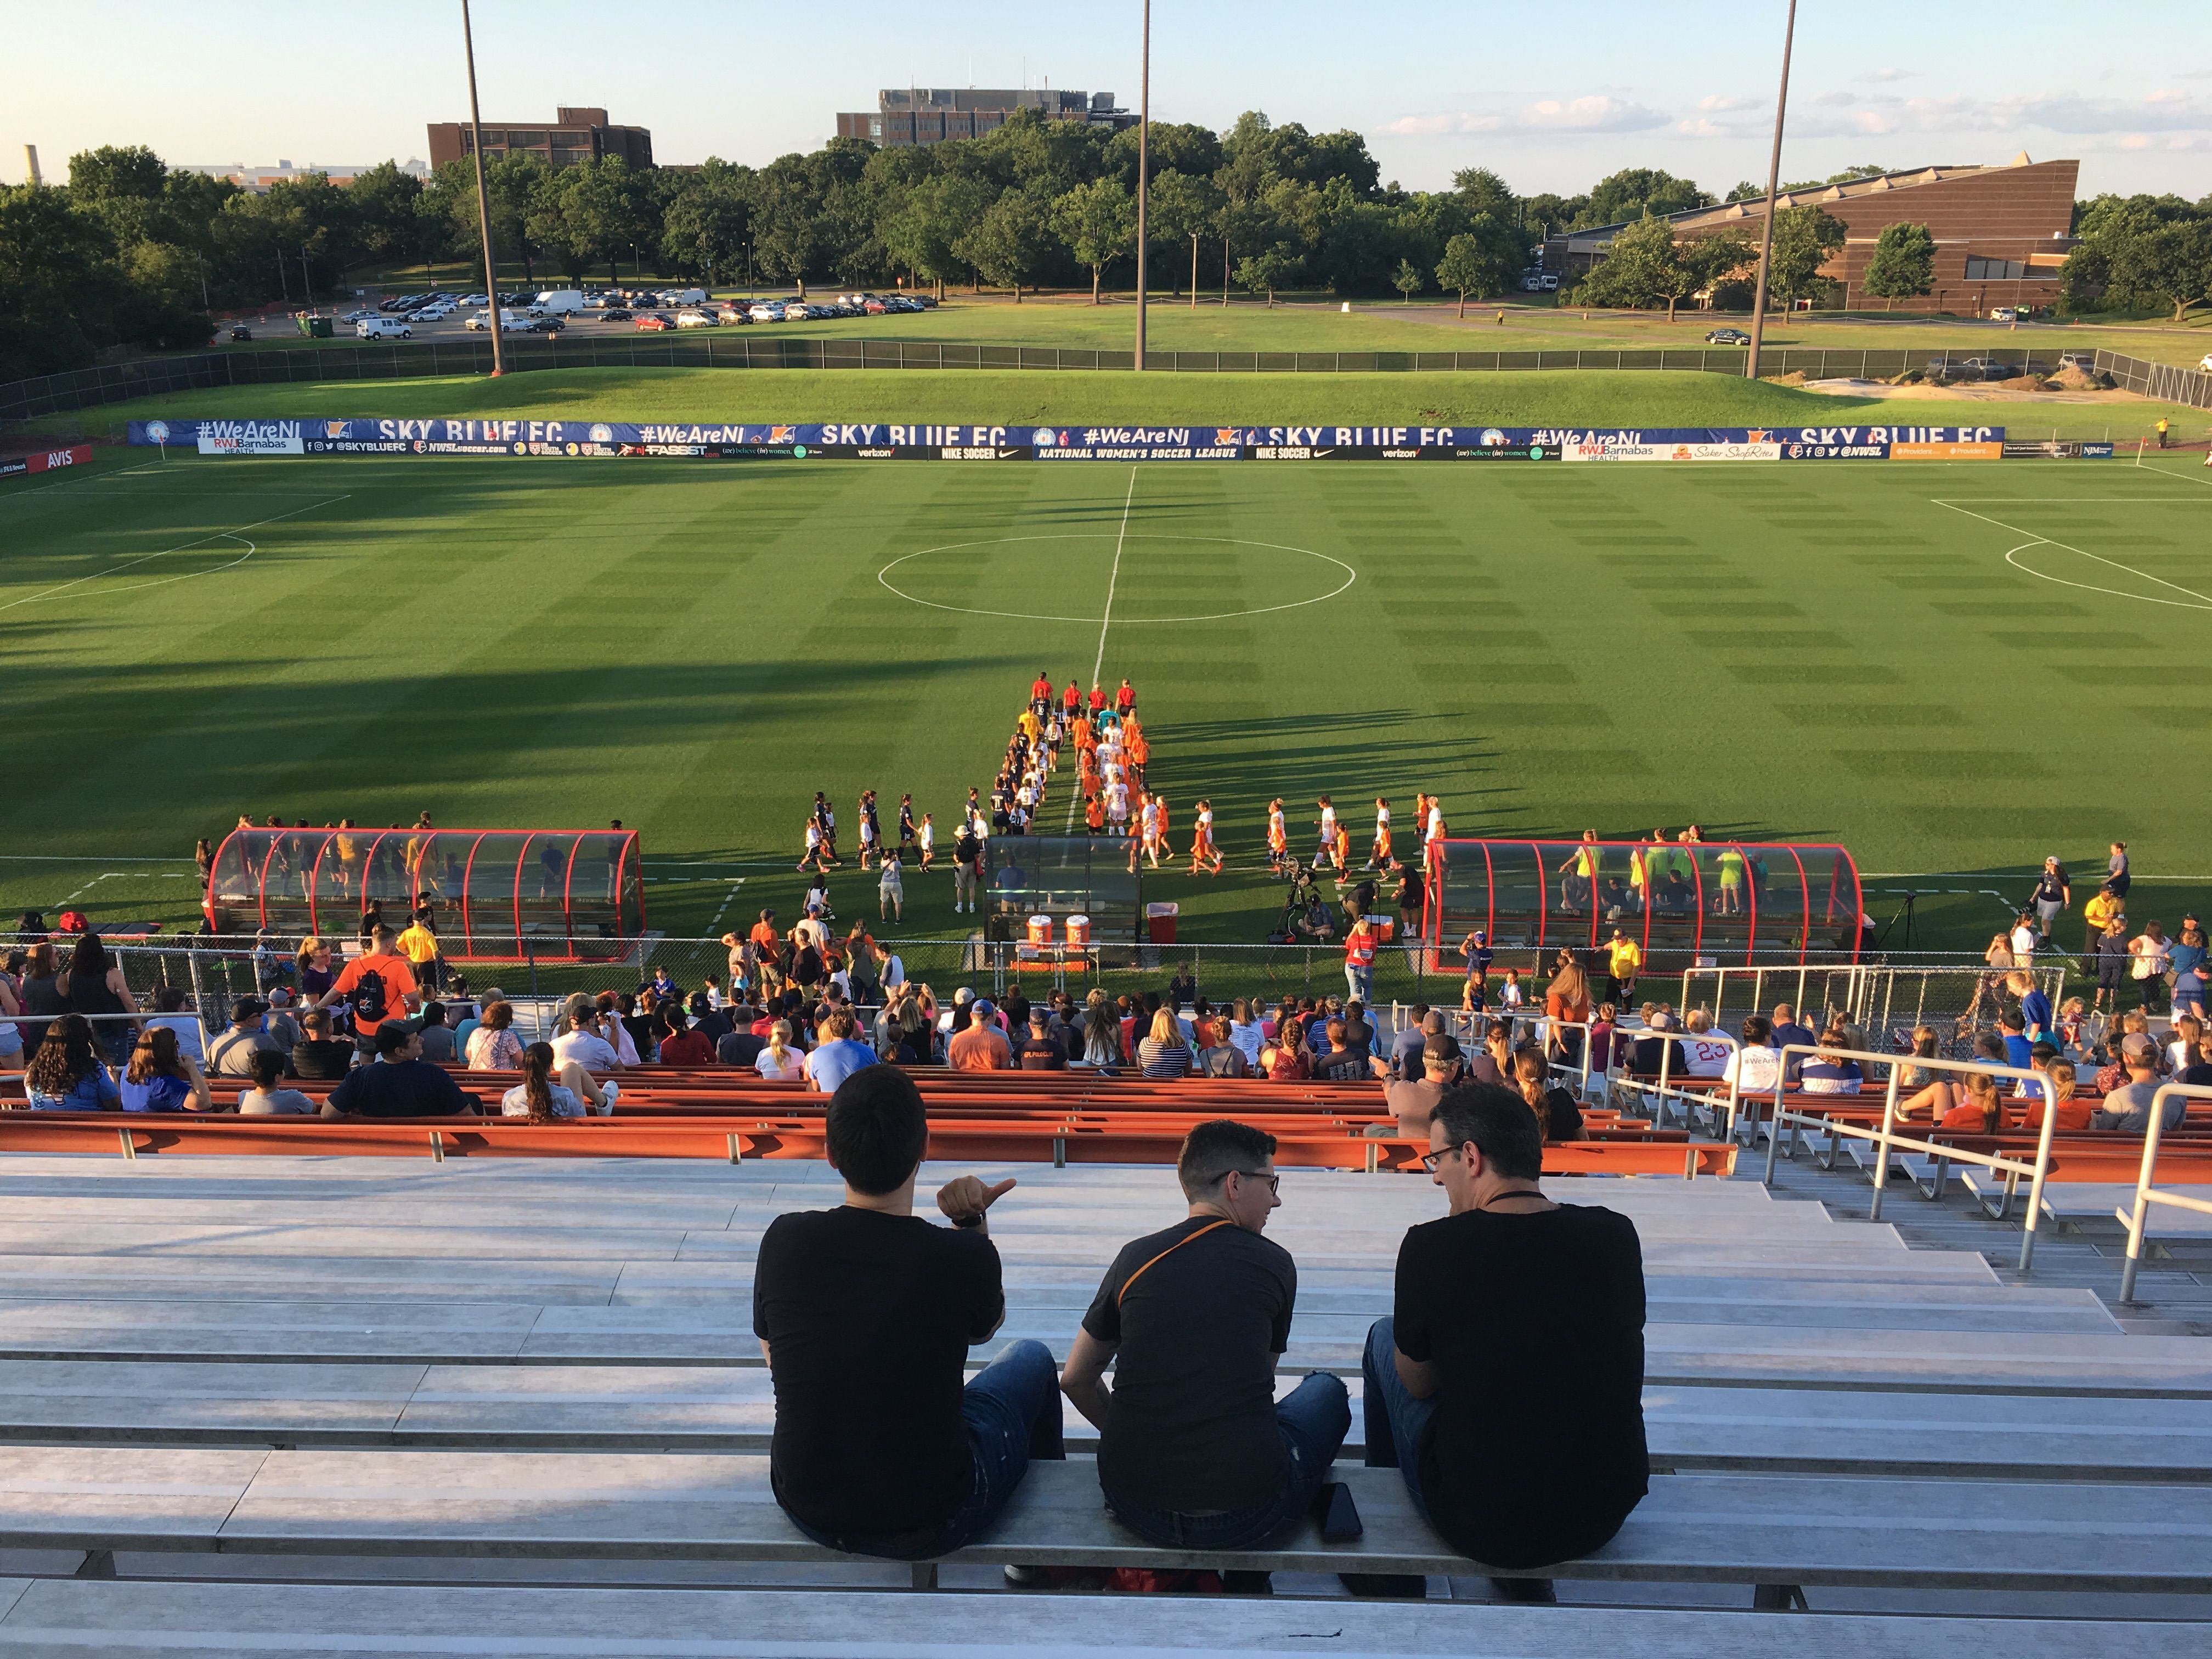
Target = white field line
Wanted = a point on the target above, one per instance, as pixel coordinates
(216, 536)
(2202, 602)
(728, 899)
(1106, 621)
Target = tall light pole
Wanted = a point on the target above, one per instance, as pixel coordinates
(1144, 168)
(483, 202)
(1773, 189)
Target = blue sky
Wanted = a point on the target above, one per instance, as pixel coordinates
(1551, 97)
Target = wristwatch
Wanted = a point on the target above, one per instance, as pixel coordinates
(970, 1221)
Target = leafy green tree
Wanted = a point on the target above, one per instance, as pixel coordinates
(1181, 206)
(60, 283)
(927, 233)
(707, 222)
(1635, 191)
(1267, 270)
(1408, 280)
(1711, 260)
(596, 212)
(1098, 223)
(2171, 265)
(1903, 265)
(1481, 191)
(1485, 258)
(1639, 268)
(1805, 238)
(1009, 245)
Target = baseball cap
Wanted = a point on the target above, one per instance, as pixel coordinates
(247, 1008)
(2137, 1043)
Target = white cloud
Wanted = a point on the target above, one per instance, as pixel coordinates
(1889, 74)
(1700, 128)
(1714, 104)
(1595, 113)
(2075, 117)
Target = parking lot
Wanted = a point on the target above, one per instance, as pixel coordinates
(607, 313)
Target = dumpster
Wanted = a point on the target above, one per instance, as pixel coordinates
(315, 328)
(1160, 922)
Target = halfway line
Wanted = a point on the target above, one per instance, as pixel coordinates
(1112, 576)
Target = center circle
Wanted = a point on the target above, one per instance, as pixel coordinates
(1121, 544)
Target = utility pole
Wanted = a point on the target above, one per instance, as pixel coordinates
(1144, 168)
(483, 203)
(1773, 189)
(307, 277)
(1193, 271)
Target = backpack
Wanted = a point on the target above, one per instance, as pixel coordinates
(369, 1000)
(965, 849)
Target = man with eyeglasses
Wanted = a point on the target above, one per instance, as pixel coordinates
(1508, 1382)
(1194, 1452)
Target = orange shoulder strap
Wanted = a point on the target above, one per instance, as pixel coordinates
(1163, 1256)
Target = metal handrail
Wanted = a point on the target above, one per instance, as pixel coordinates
(2146, 1195)
(1886, 1138)
(1693, 1098)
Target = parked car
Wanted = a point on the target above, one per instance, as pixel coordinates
(733, 315)
(383, 328)
(615, 314)
(765, 313)
(694, 319)
(544, 326)
(793, 312)
(2087, 362)
(475, 300)
(654, 322)
(2005, 314)
(436, 313)
(511, 322)
(361, 315)
(392, 303)
(1727, 336)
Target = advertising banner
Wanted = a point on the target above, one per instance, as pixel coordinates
(1954, 450)
(883, 441)
(45, 460)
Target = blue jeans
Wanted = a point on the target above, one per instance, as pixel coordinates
(1012, 1412)
(1315, 1416)
(1359, 983)
(1395, 1421)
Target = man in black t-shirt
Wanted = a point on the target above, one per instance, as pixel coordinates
(1041, 1050)
(1511, 1305)
(1193, 1449)
(866, 1314)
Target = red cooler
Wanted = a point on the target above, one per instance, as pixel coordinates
(1160, 922)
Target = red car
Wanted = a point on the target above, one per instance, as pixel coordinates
(653, 323)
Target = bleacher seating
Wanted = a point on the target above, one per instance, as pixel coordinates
(298, 1364)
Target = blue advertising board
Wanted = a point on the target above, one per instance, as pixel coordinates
(888, 441)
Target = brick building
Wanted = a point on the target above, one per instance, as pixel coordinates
(2002, 232)
(931, 115)
(574, 134)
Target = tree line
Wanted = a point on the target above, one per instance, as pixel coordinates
(133, 252)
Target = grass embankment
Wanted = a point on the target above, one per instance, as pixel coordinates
(1564, 397)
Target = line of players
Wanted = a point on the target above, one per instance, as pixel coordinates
(1333, 849)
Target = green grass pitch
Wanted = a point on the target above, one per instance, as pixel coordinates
(1951, 668)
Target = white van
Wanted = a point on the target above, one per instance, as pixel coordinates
(682, 297)
(558, 302)
(382, 328)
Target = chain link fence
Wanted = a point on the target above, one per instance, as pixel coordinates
(1958, 996)
(741, 349)
(2163, 381)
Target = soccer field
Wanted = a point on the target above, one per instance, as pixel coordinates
(1951, 668)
